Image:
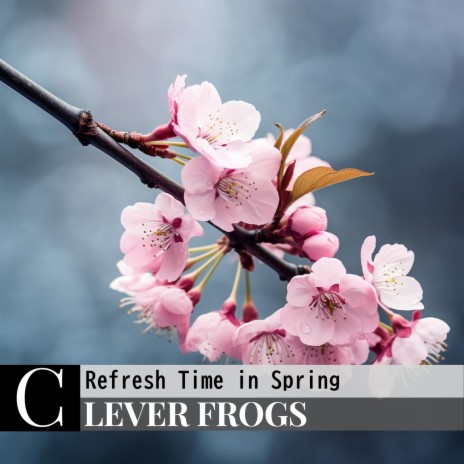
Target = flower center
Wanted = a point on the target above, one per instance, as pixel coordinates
(218, 131)
(158, 236)
(270, 348)
(327, 304)
(235, 190)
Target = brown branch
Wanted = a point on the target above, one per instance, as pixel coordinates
(82, 125)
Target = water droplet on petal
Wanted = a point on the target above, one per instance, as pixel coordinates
(305, 329)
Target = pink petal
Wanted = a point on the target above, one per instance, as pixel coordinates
(136, 255)
(346, 330)
(301, 290)
(359, 352)
(235, 155)
(406, 294)
(409, 351)
(396, 258)
(367, 249)
(431, 329)
(176, 301)
(261, 204)
(289, 317)
(132, 217)
(314, 330)
(240, 121)
(170, 207)
(190, 227)
(247, 331)
(174, 259)
(201, 206)
(203, 324)
(328, 272)
(197, 104)
(225, 215)
(265, 162)
(199, 175)
(359, 294)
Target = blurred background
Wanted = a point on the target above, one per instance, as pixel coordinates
(390, 74)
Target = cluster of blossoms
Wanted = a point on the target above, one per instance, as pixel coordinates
(264, 186)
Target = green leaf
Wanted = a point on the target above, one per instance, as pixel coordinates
(321, 177)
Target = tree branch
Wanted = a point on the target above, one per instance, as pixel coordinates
(82, 125)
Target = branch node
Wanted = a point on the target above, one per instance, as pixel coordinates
(150, 182)
(302, 270)
(86, 127)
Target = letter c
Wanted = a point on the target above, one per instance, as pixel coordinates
(21, 398)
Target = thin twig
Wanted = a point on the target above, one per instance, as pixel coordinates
(83, 126)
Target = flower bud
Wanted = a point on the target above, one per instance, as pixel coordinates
(306, 221)
(249, 312)
(195, 295)
(320, 245)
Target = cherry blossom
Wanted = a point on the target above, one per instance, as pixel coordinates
(266, 342)
(421, 340)
(167, 309)
(219, 131)
(228, 196)
(211, 333)
(329, 305)
(388, 273)
(157, 235)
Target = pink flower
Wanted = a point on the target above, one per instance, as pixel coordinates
(229, 196)
(167, 309)
(329, 306)
(306, 221)
(265, 342)
(157, 235)
(320, 245)
(411, 343)
(219, 131)
(388, 274)
(327, 354)
(211, 334)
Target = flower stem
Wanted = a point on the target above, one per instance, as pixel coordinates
(238, 274)
(167, 142)
(178, 161)
(385, 326)
(199, 258)
(248, 297)
(185, 157)
(203, 248)
(203, 283)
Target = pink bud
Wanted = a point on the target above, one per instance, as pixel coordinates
(249, 312)
(228, 307)
(185, 282)
(320, 245)
(194, 295)
(306, 221)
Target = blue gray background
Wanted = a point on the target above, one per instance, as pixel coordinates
(390, 74)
